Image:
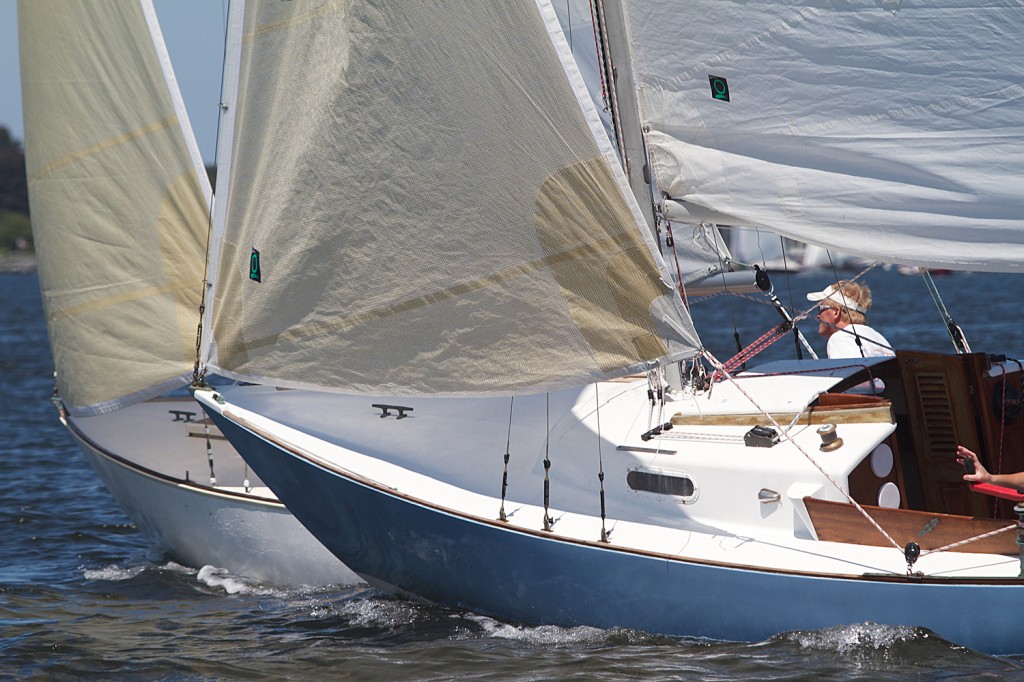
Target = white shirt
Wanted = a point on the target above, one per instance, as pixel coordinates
(843, 343)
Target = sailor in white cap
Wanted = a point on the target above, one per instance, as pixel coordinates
(842, 309)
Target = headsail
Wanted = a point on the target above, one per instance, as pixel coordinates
(425, 201)
(888, 130)
(119, 200)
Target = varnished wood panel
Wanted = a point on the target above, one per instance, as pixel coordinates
(861, 412)
(842, 522)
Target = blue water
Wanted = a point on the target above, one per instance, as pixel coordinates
(83, 595)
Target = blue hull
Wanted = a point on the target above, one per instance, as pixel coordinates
(533, 578)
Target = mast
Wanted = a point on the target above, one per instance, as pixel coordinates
(225, 138)
(623, 102)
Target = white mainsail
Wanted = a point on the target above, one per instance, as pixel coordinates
(423, 202)
(119, 200)
(881, 129)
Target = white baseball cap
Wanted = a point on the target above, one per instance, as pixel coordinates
(832, 295)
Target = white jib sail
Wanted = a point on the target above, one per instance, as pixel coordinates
(422, 200)
(119, 200)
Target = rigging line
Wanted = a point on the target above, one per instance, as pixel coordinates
(568, 14)
(760, 250)
(853, 330)
(725, 285)
(548, 521)
(929, 283)
(209, 452)
(650, 400)
(835, 275)
(1002, 433)
(612, 95)
(789, 287)
(504, 476)
(790, 323)
(953, 545)
(802, 316)
(831, 264)
(849, 313)
(670, 242)
(600, 460)
(739, 360)
(721, 368)
(956, 334)
(600, 57)
(197, 376)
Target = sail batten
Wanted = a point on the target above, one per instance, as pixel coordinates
(119, 200)
(433, 206)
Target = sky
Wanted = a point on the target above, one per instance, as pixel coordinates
(194, 33)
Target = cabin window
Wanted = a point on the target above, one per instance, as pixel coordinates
(661, 483)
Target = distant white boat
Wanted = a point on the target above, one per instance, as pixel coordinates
(780, 254)
(119, 201)
(916, 270)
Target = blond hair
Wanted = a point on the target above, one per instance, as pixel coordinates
(859, 294)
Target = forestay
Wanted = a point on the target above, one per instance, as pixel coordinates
(119, 200)
(700, 247)
(422, 200)
(887, 129)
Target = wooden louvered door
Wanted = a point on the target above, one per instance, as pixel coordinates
(941, 409)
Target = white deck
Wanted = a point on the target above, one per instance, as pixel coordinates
(166, 436)
(448, 454)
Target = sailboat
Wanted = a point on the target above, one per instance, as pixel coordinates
(517, 416)
(120, 203)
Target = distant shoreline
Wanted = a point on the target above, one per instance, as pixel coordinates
(17, 262)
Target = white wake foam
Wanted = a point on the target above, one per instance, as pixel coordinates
(539, 634)
(220, 578)
(113, 573)
(859, 638)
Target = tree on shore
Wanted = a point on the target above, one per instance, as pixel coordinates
(15, 225)
(13, 182)
(15, 228)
